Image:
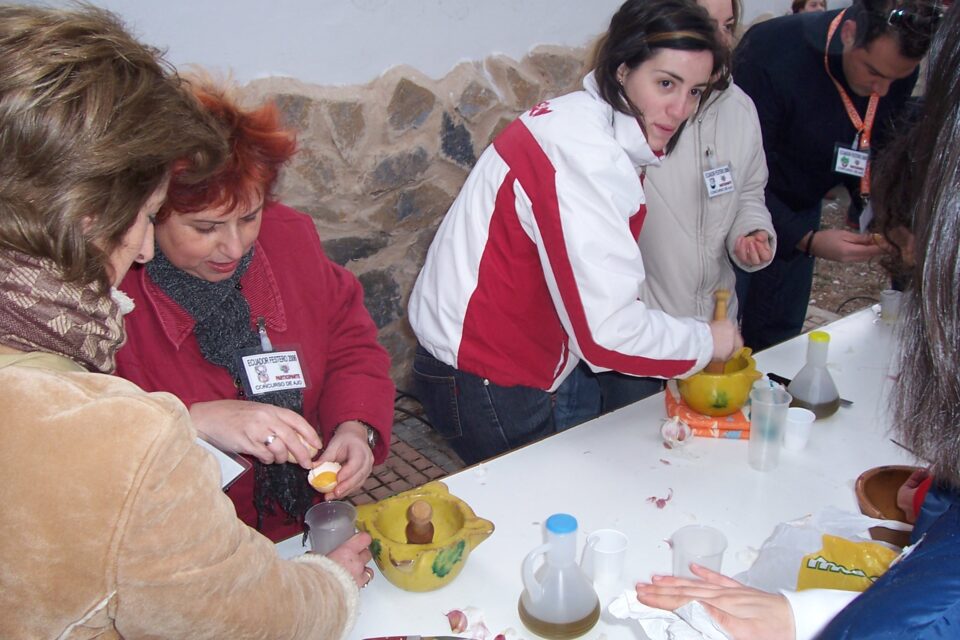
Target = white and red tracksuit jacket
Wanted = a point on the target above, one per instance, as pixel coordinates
(536, 263)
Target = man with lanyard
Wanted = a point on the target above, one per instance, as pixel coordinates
(828, 88)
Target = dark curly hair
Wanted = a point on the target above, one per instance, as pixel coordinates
(912, 23)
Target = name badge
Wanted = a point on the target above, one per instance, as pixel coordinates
(850, 162)
(719, 181)
(272, 371)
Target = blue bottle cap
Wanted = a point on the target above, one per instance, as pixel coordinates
(561, 523)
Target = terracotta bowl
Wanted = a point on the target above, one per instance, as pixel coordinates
(877, 496)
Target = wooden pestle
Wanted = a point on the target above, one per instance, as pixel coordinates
(720, 297)
(419, 526)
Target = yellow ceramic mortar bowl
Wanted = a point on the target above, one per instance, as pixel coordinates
(422, 567)
(720, 394)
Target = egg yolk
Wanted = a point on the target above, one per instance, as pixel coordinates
(325, 478)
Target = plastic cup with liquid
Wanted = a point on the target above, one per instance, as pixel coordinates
(329, 525)
(697, 544)
(890, 305)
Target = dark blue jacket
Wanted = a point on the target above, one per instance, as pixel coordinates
(918, 598)
(779, 64)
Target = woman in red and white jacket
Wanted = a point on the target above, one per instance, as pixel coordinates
(536, 265)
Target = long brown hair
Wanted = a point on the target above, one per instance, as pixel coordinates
(638, 30)
(918, 184)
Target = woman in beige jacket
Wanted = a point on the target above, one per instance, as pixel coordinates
(706, 201)
(113, 523)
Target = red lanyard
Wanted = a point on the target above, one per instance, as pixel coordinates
(863, 126)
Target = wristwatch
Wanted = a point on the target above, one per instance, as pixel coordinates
(373, 436)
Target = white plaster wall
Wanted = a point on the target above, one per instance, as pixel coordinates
(343, 42)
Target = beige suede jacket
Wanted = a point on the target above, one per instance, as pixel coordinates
(687, 238)
(114, 525)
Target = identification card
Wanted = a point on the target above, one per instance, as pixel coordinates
(272, 371)
(719, 181)
(850, 162)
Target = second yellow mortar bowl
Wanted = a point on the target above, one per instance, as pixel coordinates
(720, 394)
(422, 567)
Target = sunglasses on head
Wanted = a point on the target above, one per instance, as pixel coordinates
(901, 17)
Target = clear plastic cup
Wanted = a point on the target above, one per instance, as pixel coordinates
(330, 524)
(699, 544)
(604, 555)
(768, 416)
(796, 432)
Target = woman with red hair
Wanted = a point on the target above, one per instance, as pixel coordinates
(243, 317)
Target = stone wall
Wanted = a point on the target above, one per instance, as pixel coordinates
(380, 164)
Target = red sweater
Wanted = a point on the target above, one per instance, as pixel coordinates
(307, 301)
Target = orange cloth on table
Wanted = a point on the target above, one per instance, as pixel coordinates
(735, 426)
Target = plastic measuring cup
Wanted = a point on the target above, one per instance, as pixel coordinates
(768, 415)
(604, 555)
(699, 544)
(330, 524)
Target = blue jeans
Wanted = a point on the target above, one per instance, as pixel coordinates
(585, 395)
(477, 418)
(741, 288)
(577, 399)
(776, 303)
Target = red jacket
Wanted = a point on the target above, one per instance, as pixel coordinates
(307, 301)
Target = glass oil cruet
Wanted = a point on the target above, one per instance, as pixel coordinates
(558, 600)
(813, 387)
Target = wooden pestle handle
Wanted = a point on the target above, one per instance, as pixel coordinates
(720, 297)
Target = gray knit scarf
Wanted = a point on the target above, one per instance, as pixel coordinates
(223, 327)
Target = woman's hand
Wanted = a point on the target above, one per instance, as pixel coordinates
(726, 339)
(907, 491)
(240, 426)
(744, 613)
(353, 555)
(754, 248)
(349, 447)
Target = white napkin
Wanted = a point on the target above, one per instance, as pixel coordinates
(689, 622)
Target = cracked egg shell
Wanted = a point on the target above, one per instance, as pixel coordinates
(323, 477)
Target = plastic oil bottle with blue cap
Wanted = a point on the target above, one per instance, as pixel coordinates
(813, 387)
(558, 600)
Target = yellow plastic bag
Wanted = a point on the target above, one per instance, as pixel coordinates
(844, 564)
(793, 543)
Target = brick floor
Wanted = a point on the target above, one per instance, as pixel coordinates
(418, 455)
